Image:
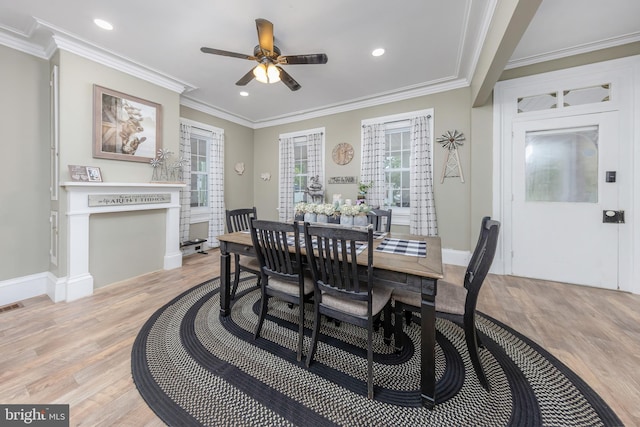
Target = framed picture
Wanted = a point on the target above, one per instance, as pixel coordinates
(125, 127)
(94, 174)
(85, 173)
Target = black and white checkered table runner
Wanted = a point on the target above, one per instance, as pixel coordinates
(404, 247)
(360, 246)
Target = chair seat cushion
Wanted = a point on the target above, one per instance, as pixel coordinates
(450, 298)
(290, 287)
(249, 262)
(379, 296)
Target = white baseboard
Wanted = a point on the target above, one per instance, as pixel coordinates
(455, 257)
(21, 288)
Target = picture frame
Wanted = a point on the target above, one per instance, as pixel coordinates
(125, 127)
(94, 174)
(85, 173)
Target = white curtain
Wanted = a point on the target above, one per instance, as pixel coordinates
(422, 219)
(216, 189)
(372, 168)
(185, 193)
(287, 164)
(314, 156)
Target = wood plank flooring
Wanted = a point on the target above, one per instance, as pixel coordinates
(79, 352)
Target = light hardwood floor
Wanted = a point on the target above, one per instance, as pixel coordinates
(79, 353)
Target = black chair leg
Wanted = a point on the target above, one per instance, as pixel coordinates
(314, 335)
(398, 334)
(472, 346)
(386, 323)
(264, 302)
(236, 277)
(300, 329)
(370, 360)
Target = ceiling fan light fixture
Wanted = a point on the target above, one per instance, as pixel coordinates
(266, 73)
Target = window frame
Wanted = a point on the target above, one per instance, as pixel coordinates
(304, 134)
(401, 215)
(203, 131)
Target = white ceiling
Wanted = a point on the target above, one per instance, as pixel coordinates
(431, 45)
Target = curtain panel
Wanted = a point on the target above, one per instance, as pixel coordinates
(372, 168)
(216, 189)
(422, 211)
(285, 193)
(185, 192)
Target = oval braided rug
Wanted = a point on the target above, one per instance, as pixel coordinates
(193, 367)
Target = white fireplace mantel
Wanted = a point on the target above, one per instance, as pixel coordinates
(86, 198)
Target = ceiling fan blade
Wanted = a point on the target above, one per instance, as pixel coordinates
(288, 80)
(244, 80)
(315, 58)
(226, 53)
(265, 35)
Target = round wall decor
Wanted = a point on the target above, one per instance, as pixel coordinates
(342, 153)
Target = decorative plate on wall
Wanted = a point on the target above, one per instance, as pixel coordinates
(342, 153)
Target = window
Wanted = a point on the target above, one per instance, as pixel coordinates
(301, 168)
(200, 143)
(397, 166)
(397, 157)
(202, 160)
(301, 156)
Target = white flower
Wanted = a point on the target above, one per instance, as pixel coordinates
(301, 207)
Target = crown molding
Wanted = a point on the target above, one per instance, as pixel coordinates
(71, 43)
(17, 43)
(576, 50)
(120, 63)
(213, 111)
(371, 101)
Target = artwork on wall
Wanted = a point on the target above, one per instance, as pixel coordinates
(85, 173)
(125, 127)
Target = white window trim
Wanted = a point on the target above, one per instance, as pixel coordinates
(304, 133)
(400, 215)
(199, 215)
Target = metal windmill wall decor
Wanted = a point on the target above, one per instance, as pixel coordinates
(450, 142)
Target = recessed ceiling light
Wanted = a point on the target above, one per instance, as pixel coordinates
(243, 93)
(378, 52)
(103, 24)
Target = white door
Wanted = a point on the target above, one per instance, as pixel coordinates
(560, 192)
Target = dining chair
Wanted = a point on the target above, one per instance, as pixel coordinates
(240, 220)
(380, 219)
(458, 301)
(282, 271)
(343, 290)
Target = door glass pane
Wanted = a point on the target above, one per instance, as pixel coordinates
(561, 165)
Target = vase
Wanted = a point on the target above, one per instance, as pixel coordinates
(322, 218)
(309, 217)
(360, 221)
(299, 217)
(333, 219)
(346, 220)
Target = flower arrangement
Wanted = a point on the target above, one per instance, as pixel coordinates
(326, 209)
(301, 207)
(353, 210)
(364, 188)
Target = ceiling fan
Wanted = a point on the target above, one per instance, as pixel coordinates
(269, 59)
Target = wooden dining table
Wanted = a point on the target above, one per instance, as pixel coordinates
(417, 273)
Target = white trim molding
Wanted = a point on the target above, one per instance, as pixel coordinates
(79, 282)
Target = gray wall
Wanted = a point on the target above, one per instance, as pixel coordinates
(113, 247)
(24, 174)
(24, 178)
(452, 110)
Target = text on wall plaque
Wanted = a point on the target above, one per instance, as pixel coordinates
(128, 199)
